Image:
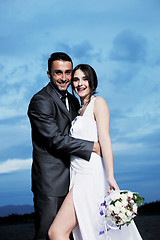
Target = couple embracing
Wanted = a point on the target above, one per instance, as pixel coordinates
(69, 177)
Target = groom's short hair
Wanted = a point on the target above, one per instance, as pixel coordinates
(58, 56)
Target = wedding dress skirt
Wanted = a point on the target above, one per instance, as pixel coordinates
(89, 183)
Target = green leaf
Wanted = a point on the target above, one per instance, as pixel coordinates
(127, 223)
(138, 200)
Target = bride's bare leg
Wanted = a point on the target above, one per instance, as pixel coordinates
(65, 220)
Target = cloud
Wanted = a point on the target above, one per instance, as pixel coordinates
(122, 76)
(125, 148)
(20, 79)
(157, 62)
(130, 47)
(15, 164)
(15, 133)
(13, 103)
(1, 67)
(83, 51)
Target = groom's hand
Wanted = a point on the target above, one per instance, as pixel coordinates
(97, 148)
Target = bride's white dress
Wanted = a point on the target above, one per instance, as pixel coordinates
(88, 179)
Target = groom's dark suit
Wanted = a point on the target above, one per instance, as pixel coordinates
(52, 145)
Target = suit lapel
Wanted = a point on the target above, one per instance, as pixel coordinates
(51, 91)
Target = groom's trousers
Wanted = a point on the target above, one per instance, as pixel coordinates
(46, 209)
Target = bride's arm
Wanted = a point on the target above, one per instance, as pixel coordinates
(102, 117)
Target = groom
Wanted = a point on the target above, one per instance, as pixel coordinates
(51, 112)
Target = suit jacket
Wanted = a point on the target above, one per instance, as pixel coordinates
(52, 146)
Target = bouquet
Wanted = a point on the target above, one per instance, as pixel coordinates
(119, 208)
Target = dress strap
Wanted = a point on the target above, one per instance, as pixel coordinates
(89, 110)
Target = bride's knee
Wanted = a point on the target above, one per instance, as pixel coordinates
(54, 233)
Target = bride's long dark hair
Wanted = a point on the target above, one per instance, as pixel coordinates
(91, 75)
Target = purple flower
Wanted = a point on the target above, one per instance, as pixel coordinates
(101, 212)
(103, 204)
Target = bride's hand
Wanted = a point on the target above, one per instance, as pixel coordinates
(112, 185)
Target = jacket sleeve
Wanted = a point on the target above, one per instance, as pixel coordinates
(45, 126)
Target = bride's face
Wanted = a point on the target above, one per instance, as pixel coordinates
(81, 84)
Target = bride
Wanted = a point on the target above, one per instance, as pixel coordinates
(90, 181)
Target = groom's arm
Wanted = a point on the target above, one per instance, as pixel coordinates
(46, 128)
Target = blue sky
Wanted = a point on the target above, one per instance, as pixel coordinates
(120, 39)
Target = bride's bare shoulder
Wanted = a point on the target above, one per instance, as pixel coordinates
(100, 105)
(100, 101)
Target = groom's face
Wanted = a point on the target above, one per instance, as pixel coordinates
(60, 75)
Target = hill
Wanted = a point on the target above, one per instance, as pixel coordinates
(15, 209)
(152, 208)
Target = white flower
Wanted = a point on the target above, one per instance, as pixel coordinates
(117, 211)
(135, 208)
(124, 202)
(111, 207)
(115, 195)
(118, 204)
(130, 194)
(135, 196)
(129, 213)
(122, 215)
(124, 197)
(131, 201)
(123, 210)
(108, 212)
